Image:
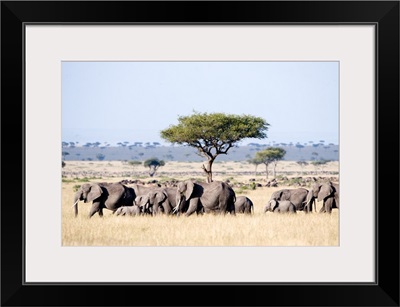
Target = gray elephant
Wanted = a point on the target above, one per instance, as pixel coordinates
(161, 200)
(109, 196)
(215, 196)
(280, 206)
(141, 202)
(297, 196)
(131, 210)
(243, 204)
(328, 193)
(140, 189)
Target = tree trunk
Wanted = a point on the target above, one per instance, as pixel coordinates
(208, 170)
(152, 170)
(266, 170)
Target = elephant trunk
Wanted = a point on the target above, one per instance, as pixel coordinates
(309, 202)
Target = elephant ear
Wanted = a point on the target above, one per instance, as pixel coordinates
(189, 189)
(95, 192)
(324, 191)
(285, 195)
(274, 205)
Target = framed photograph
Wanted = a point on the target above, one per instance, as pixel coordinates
(175, 112)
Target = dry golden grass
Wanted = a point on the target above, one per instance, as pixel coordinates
(259, 229)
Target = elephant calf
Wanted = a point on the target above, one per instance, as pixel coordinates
(243, 204)
(281, 206)
(131, 210)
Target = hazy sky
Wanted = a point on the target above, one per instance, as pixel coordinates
(133, 101)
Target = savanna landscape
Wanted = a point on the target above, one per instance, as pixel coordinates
(256, 229)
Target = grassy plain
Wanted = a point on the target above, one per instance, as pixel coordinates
(259, 229)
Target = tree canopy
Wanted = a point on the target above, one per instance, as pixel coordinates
(213, 134)
(267, 156)
(153, 164)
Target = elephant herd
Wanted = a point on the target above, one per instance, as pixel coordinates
(301, 199)
(190, 197)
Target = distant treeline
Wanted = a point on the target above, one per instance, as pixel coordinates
(94, 152)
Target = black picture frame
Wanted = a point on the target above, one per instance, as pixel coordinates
(383, 14)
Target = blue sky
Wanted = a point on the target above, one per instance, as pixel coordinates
(133, 101)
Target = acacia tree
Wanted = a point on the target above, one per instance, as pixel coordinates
(214, 134)
(319, 164)
(256, 163)
(269, 156)
(302, 165)
(153, 164)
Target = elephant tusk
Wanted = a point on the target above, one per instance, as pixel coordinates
(75, 203)
(176, 207)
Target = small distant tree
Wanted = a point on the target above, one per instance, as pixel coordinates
(214, 134)
(64, 154)
(269, 156)
(256, 163)
(100, 156)
(153, 164)
(277, 155)
(302, 164)
(319, 164)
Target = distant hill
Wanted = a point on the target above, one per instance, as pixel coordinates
(184, 153)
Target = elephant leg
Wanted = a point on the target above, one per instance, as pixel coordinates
(156, 209)
(101, 211)
(167, 210)
(328, 205)
(95, 208)
(192, 207)
(200, 210)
